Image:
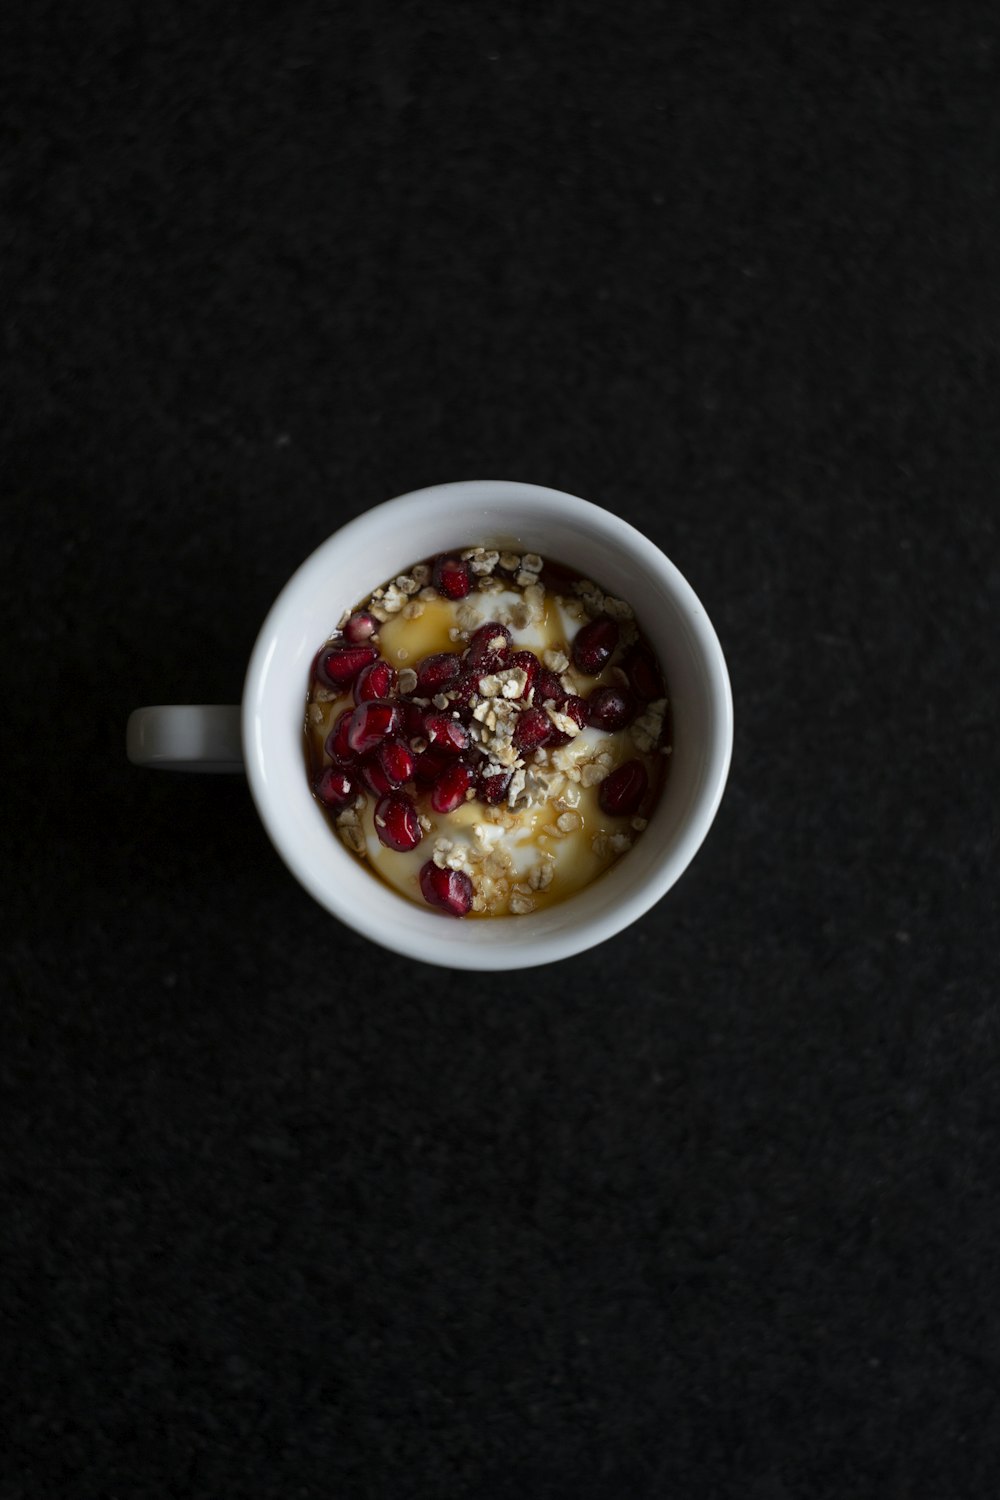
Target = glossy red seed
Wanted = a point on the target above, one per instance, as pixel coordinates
(445, 733)
(452, 577)
(374, 776)
(644, 674)
(548, 688)
(448, 791)
(438, 673)
(533, 728)
(529, 663)
(375, 681)
(371, 723)
(429, 765)
(339, 665)
(576, 708)
(493, 787)
(488, 648)
(622, 792)
(360, 627)
(412, 718)
(460, 696)
(610, 708)
(449, 890)
(336, 741)
(397, 824)
(594, 644)
(397, 761)
(334, 788)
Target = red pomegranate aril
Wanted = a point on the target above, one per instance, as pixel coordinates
(412, 718)
(397, 761)
(336, 741)
(533, 728)
(438, 673)
(529, 663)
(460, 695)
(548, 688)
(371, 723)
(448, 792)
(429, 765)
(334, 788)
(610, 708)
(374, 777)
(594, 644)
(377, 681)
(360, 627)
(452, 577)
(397, 824)
(488, 648)
(622, 792)
(644, 675)
(493, 786)
(339, 665)
(449, 890)
(576, 709)
(445, 733)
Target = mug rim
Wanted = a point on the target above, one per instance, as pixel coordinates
(520, 948)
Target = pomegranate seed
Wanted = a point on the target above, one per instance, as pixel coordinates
(334, 788)
(644, 674)
(533, 728)
(448, 792)
(413, 718)
(339, 665)
(593, 646)
(436, 674)
(528, 662)
(336, 741)
(622, 791)
(610, 708)
(577, 711)
(548, 688)
(397, 761)
(460, 696)
(490, 645)
(397, 824)
(449, 890)
(445, 733)
(360, 627)
(428, 766)
(374, 777)
(452, 577)
(376, 681)
(493, 787)
(371, 723)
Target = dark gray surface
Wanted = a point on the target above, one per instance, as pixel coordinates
(710, 1211)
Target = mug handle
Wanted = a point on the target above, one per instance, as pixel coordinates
(186, 737)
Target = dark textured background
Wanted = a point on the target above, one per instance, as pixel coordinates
(712, 1210)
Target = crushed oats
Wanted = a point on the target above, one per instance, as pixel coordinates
(407, 584)
(568, 822)
(646, 730)
(532, 563)
(639, 824)
(427, 594)
(483, 563)
(407, 680)
(413, 610)
(510, 561)
(556, 661)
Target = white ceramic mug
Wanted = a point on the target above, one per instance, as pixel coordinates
(265, 736)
